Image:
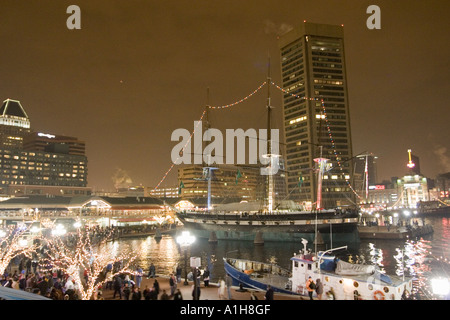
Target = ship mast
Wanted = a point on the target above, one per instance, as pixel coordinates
(272, 165)
(269, 142)
(322, 162)
(366, 176)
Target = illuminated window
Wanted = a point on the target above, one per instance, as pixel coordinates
(297, 120)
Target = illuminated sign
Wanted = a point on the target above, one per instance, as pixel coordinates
(50, 136)
(377, 187)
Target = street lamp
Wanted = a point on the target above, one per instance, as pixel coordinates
(185, 240)
(440, 286)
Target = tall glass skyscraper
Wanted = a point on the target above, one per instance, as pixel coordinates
(316, 113)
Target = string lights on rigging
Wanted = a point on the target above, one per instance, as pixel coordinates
(245, 99)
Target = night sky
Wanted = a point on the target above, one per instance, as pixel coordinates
(137, 70)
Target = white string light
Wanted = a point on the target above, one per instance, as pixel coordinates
(86, 257)
(201, 118)
(11, 246)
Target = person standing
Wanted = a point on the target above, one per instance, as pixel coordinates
(319, 289)
(229, 283)
(310, 286)
(221, 289)
(206, 277)
(117, 287)
(156, 287)
(178, 295)
(151, 272)
(164, 295)
(138, 277)
(173, 284)
(269, 293)
(178, 273)
(146, 292)
(136, 294)
(127, 291)
(196, 292)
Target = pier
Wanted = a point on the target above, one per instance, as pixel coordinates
(206, 293)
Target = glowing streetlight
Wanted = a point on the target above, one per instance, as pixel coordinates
(185, 240)
(23, 242)
(59, 230)
(35, 229)
(440, 286)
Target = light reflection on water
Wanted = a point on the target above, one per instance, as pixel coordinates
(422, 259)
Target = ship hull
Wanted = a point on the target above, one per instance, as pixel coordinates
(246, 280)
(272, 228)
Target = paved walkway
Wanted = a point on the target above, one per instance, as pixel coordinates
(207, 293)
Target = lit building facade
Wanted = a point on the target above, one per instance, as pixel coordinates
(226, 183)
(38, 141)
(36, 163)
(14, 124)
(313, 70)
(365, 172)
(412, 190)
(24, 168)
(165, 192)
(380, 197)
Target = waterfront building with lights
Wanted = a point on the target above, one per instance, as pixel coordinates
(35, 163)
(226, 183)
(413, 189)
(316, 111)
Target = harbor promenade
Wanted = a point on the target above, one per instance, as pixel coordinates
(206, 293)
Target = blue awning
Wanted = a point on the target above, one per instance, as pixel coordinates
(14, 294)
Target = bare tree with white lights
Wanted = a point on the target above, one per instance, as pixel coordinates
(84, 262)
(13, 244)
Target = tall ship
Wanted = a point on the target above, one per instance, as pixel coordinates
(284, 221)
(274, 219)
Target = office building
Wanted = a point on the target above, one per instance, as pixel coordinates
(38, 141)
(34, 163)
(365, 174)
(227, 183)
(316, 113)
(27, 168)
(14, 124)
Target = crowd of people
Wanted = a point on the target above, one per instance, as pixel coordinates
(54, 285)
(129, 287)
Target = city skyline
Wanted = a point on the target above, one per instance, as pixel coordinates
(134, 73)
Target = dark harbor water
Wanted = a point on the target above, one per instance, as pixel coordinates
(424, 259)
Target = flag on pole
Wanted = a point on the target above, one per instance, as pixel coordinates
(238, 175)
(181, 187)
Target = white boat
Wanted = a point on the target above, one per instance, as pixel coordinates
(341, 280)
(346, 281)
